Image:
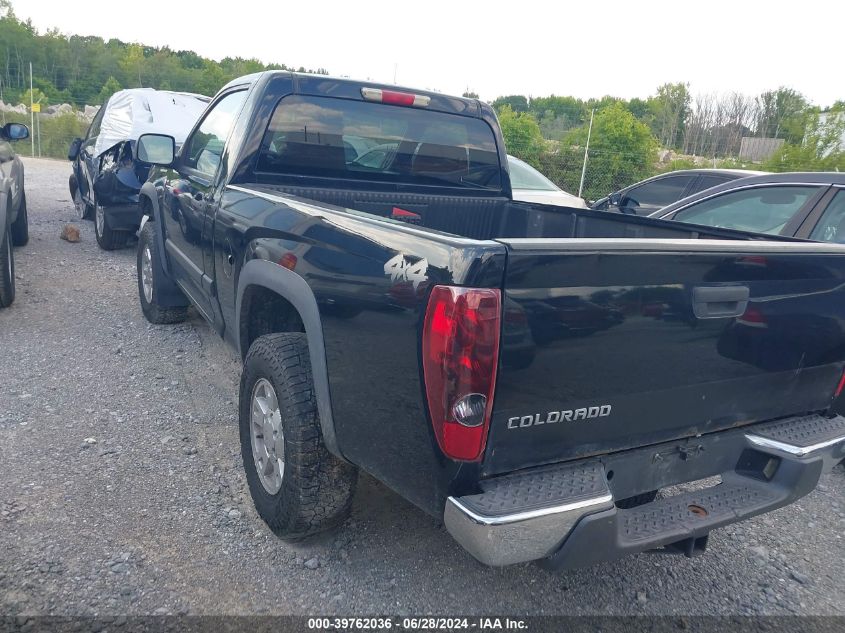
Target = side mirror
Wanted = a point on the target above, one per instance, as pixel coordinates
(75, 146)
(158, 149)
(628, 205)
(15, 131)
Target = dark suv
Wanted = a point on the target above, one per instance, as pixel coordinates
(647, 196)
(14, 225)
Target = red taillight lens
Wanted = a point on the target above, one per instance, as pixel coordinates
(840, 386)
(460, 354)
(753, 314)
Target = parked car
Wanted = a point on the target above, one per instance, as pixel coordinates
(554, 456)
(808, 205)
(647, 196)
(14, 223)
(529, 185)
(107, 175)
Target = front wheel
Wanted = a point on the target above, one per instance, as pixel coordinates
(150, 280)
(20, 227)
(7, 270)
(298, 486)
(107, 238)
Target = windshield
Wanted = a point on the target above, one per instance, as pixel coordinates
(524, 176)
(341, 138)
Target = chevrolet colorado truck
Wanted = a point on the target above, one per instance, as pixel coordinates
(533, 376)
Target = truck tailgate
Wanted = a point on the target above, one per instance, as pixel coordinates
(610, 344)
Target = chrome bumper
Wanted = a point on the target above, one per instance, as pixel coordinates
(533, 514)
(518, 537)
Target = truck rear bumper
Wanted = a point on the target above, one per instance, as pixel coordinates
(566, 514)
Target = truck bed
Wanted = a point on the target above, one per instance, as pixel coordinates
(599, 314)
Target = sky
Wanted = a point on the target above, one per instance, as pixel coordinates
(583, 49)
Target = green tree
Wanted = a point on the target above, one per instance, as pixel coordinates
(132, 64)
(668, 113)
(35, 96)
(517, 103)
(782, 113)
(821, 149)
(111, 86)
(470, 95)
(622, 150)
(522, 135)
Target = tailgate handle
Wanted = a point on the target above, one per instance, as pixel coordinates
(719, 302)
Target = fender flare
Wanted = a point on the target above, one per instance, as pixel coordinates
(170, 294)
(294, 289)
(5, 204)
(148, 191)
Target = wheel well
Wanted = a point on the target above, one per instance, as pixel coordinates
(265, 312)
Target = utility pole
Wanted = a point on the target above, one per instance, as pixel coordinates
(31, 113)
(38, 123)
(586, 152)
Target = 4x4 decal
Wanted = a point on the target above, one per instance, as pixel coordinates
(400, 269)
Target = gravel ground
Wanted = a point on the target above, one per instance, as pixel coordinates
(122, 492)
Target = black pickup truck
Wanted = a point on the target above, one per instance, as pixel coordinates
(534, 376)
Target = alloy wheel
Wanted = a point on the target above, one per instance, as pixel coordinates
(147, 273)
(268, 446)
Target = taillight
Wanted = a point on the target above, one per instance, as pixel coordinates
(288, 260)
(460, 351)
(840, 386)
(753, 317)
(395, 98)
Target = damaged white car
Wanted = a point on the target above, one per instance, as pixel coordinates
(107, 175)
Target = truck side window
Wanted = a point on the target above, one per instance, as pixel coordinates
(205, 147)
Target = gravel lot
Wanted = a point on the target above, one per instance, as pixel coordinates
(121, 486)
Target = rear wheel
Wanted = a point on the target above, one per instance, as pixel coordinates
(7, 270)
(107, 238)
(150, 279)
(84, 211)
(20, 227)
(298, 486)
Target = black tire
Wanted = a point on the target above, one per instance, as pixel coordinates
(152, 309)
(20, 227)
(107, 238)
(7, 269)
(316, 487)
(83, 210)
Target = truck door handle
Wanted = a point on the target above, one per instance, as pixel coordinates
(719, 302)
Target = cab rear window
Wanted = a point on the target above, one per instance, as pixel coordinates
(341, 138)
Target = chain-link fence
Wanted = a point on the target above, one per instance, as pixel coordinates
(51, 135)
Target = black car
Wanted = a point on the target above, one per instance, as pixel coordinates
(807, 205)
(647, 196)
(14, 226)
(106, 175)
